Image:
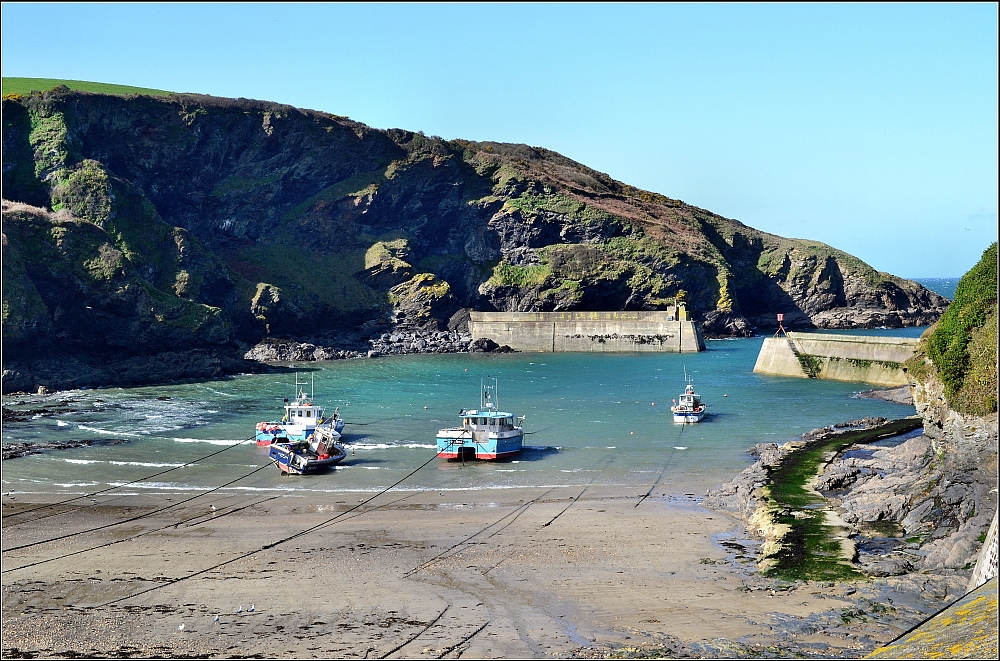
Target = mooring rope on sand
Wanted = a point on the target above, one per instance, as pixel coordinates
(662, 472)
(120, 486)
(140, 516)
(136, 536)
(443, 554)
(271, 545)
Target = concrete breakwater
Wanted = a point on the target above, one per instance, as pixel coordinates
(875, 360)
(662, 331)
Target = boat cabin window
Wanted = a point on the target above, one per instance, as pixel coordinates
(309, 414)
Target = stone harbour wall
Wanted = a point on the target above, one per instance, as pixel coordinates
(589, 331)
(871, 359)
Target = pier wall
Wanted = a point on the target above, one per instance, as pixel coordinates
(589, 331)
(967, 629)
(875, 360)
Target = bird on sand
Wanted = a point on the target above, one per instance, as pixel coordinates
(180, 628)
(251, 609)
(239, 610)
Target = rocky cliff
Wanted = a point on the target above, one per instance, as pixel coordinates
(926, 503)
(141, 225)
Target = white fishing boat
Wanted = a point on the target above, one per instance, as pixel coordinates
(486, 433)
(688, 407)
(301, 419)
(303, 441)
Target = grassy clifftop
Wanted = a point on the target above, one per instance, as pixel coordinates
(23, 86)
(962, 346)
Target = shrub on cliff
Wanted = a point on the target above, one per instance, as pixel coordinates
(962, 346)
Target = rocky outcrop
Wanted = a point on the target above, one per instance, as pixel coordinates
(251, 219)
(402, 343)
(911, 504)
(274, 350)
(906, 506)
(899, 395)
(18, 450)
(743, 493)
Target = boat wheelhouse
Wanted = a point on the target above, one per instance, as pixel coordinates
(300, 420)
(486, 433)
(688, 407)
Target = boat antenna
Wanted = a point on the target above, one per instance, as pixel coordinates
(488, 398)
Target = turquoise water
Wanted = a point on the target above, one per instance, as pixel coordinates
(591, 419)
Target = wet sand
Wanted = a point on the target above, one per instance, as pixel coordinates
(491, 573)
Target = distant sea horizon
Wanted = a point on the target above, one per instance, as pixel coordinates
(943, 286)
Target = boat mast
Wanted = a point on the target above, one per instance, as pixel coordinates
(488, 394)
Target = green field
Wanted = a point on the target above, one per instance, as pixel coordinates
(28, 85)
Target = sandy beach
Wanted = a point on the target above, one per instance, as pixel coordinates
(562, 572)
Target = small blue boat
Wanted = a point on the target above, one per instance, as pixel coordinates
(486, 433)
(321, 450)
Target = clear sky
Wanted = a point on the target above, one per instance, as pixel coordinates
(870, 127)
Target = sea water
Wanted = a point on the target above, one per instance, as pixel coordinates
(590, 418)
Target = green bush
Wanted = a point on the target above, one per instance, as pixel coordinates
(948, 346)
(509, 275)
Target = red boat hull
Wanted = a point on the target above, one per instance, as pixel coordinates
(481, 456)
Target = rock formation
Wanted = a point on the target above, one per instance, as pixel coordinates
(141, 225)
(923, 503)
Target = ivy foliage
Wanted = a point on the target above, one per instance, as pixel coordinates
(951, 346)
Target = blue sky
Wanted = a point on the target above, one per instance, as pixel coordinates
(870, 127)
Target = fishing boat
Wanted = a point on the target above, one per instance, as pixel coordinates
(321, 450)
(690, 408)
(300, 421)
(486, 433)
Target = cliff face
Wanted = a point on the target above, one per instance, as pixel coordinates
(955, 392)
(300, 224)
(921, 505)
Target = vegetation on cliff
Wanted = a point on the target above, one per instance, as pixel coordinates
(962, 346)
(302, 224)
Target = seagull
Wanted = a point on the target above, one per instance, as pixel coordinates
(216, 619)
(250, 610)
(213, 508)
(180, 628)
(239, 610)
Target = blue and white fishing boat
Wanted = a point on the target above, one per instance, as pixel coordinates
(321, 450)
(486, 433)
(690, 408)
(300, 420)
